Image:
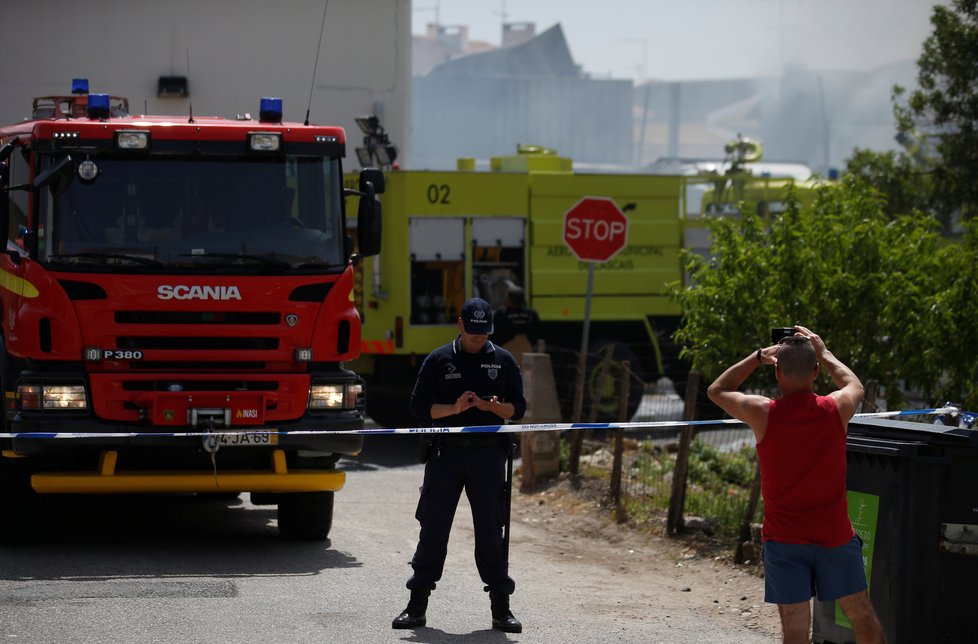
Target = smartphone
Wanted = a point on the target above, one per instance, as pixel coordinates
(779, 333)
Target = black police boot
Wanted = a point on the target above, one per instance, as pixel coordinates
(413, 616)
(502, 617)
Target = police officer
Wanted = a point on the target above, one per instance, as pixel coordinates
(467, 382)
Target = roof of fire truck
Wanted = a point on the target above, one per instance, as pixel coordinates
(80, 107)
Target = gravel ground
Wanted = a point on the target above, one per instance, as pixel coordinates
(635, 579)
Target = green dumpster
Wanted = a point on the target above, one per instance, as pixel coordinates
(913, 498)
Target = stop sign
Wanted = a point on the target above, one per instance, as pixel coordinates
(595, 229)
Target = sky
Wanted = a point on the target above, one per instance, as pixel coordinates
(704, 39)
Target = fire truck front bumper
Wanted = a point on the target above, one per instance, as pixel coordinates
(107, 479)
(32, 434)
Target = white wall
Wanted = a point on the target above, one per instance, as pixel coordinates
(239, 50)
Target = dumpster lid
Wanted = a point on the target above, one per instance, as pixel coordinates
(906, 430)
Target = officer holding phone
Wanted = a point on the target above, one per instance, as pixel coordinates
(467, 382)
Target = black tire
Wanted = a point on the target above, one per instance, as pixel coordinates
(605, 394)
(18, 500)
(18, 503)
(305, 516)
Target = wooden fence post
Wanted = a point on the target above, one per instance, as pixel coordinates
(869, 397)
(674, 520)
(577, 435)
(623, 388)
(740, 556)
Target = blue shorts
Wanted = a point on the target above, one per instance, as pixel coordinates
(796, 572)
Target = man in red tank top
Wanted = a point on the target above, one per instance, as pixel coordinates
(810, 548)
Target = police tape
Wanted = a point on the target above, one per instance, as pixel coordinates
(473, 429)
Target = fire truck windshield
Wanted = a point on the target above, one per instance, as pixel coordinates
(187, 213)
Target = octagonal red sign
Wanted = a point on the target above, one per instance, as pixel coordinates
(595, 229)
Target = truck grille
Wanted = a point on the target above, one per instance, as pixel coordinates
(197, 343)
(197, 317)
(210, 365)
(201, 385)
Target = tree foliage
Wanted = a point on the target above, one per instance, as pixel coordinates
(871, 284)
(939, 119)
(867, 267)
(955, 347)
(900, 179)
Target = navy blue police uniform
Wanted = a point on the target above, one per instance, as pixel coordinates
(475, 462)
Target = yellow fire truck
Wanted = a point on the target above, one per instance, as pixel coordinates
(466, 233)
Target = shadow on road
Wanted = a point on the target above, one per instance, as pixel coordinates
(113, 536)
(436, 636)
(392, 450)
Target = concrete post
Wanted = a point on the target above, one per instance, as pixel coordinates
(540, 451)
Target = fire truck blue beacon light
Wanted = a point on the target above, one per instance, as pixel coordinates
(79, 86)
(98, 106)
(270, 110)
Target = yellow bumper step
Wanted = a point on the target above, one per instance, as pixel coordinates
(109, 481)
(197, 481)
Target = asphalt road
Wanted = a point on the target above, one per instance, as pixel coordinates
(187, 569)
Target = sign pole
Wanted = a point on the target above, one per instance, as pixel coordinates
(595, 229)
(582, 360)
(577, 438)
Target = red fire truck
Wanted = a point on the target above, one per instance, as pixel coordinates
(177, 308)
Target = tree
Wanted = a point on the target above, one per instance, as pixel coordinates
(903, 181)
(944, 108)
(847, 268)
(953, 308)
(866, 267)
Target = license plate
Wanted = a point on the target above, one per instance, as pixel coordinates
(243, 439)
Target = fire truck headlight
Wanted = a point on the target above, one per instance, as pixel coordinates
(326, 396)
(334, 396)
(54, 397)
(264, 141)
(131, 140)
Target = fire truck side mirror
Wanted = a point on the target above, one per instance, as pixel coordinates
(368, 222)
(55, 173)
(7, 148)
(374, 177)
(4, 199)
(5, 151)
(4, 187)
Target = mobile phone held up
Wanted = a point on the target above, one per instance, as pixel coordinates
(779, 333)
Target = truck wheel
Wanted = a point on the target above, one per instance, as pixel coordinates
(305, 516)
(605, 393)
(18, 503)
(18, 500)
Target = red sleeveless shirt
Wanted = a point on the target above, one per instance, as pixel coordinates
(803, 472)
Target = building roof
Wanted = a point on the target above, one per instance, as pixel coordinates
(543, 56)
